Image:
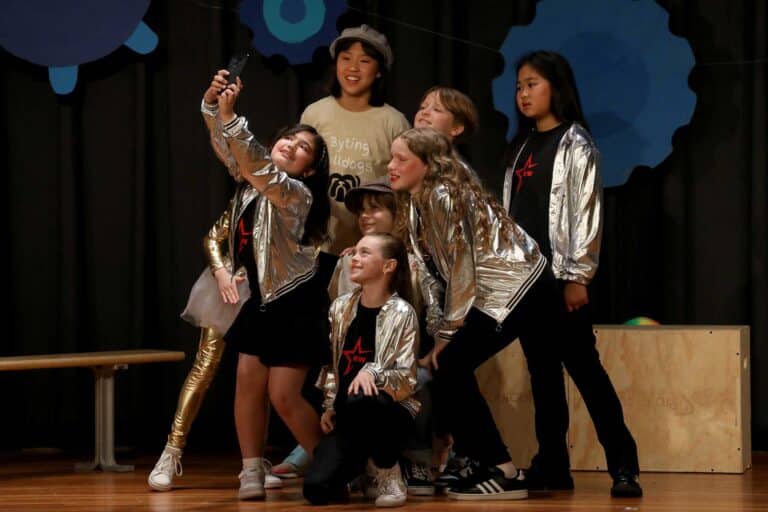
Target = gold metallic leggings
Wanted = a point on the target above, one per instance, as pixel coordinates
(206, 364)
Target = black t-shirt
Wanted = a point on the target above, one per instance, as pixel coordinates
(359, 348)
(532, 184)
(244, 254)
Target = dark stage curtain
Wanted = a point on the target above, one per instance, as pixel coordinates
(109, 190)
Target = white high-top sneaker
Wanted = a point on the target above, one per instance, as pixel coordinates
(251, 484)
(392, 489)
(167, 466)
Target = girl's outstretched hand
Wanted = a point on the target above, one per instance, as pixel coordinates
(363, 381)
(227, 100)
(218, 84)
(228, 285)
(328, 421)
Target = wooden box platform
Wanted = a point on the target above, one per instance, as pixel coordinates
(686, 397)
(685, 392)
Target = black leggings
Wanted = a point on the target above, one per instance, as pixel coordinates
(576, 349)
(366, 426)
(457, 399)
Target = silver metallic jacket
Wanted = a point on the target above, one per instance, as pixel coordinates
(575, 206)
(394, 365)
(218, 143)
(491, 273)
(282, 207)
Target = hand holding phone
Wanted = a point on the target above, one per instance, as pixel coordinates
(235, 66)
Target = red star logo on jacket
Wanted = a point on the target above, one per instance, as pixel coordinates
(526, 171)
(355, 355)
(243, 236)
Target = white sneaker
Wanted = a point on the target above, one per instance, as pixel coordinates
(392, 489)
(167, 466)
(251, 484)
(270, 480)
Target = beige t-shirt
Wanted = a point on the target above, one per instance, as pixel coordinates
(359, 150)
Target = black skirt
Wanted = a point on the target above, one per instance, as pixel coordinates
(292, 329)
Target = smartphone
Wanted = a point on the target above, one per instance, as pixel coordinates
(236, 65)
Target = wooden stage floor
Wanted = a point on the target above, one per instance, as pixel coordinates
(32, 481)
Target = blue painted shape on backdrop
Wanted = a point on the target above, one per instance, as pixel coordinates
(143, 40)
(632, 75)
(63, 34)
(292, 28)
(62, 78)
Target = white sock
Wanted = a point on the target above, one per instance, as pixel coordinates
(253, 463)
(509, 469)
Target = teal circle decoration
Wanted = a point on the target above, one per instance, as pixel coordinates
(294, 31)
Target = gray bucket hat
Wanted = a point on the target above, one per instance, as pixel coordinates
(354, 198)
(370, 36)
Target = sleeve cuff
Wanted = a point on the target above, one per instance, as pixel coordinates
(376, 375)
(233, 128)
(209, 109)
(572, 278)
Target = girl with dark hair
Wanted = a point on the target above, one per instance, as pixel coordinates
(219, 293)
(368, 386)
(356, 123)
(275, 222)
(564, 103)
(553, 190)
(485, 283)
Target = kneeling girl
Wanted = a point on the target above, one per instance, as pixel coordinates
(368, 386)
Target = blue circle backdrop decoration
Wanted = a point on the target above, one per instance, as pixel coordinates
(632, 75)
(61, 35)
(292, 28)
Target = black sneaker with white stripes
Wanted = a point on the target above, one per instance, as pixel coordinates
(491, 484)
